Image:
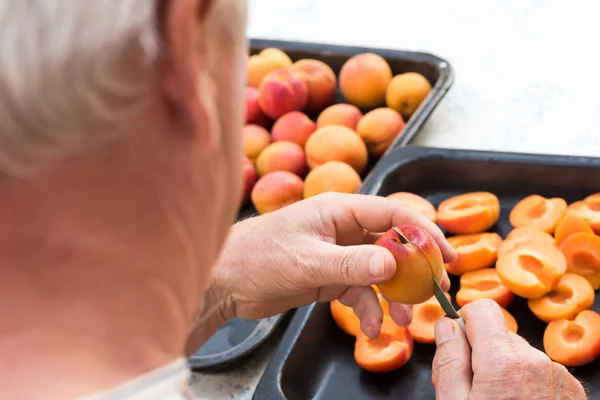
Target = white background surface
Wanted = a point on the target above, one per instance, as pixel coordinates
(526, 79)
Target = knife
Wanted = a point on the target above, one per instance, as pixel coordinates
(438, 292)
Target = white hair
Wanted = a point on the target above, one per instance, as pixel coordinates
(69, 72)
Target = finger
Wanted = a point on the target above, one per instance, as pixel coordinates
(401, 313)
(377, 214)
(487, 333)
(367, 308)
(361, 265)
(452, 362)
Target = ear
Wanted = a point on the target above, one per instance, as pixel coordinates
(185, 66)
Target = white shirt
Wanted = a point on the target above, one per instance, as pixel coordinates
(166, 383)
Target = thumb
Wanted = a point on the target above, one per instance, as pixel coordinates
(360, 265)
(452, 363)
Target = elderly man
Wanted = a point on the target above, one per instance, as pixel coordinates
(120, 149)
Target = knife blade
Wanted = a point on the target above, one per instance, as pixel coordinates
(447, 305)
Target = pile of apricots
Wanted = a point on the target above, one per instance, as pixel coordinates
(298, 143)
(551, 257)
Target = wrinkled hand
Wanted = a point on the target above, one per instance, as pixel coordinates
(494, 363)
(318, 249)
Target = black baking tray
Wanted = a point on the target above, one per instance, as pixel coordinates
(315, 358)
(233, 343)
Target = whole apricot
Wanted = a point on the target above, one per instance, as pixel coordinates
(406, 92)
(276, 190)
(254, 114)
(282, 156)
(364, 79)
(282, 91)
(417, 261)
(255, 138)
(294, 126)
(340, 114)
(379, 128)
(257, 68)
(249, 178)
(276, 57)
(336, 143)
(321, 82)
(333, 176)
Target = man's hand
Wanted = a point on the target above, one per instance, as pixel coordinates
(318, 249)
(492, 363)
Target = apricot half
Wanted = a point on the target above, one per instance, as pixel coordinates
(524, 234)
(576, 342)
(569, 224)
(511, 322)
(483, 284)
(416, 262)
(538, 212)
(390, 351)
(531, 270)
(473, 212)
(344, 317)
(582, 251)
(425, 316)
(572, 294)
(416, 203)
(589, 210)
(474, 251)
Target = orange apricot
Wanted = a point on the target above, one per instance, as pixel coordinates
(532, 269)
(333, 176)
(538, 212)
(417, 261)
(255, 138)
(569, 224)
(363, 80)
(473, 212)
(294, 126)
(379, 128)
(276, 190)
(340, 114)
(254, 114)
(282, 91)
(483, 284)
(276, 57)
(390, 351)
(416, 203)
(425, 316)
(576, 342)
(582, 251)
(406, 92)
(321, 82)
(572, 294)
(257, 68)
(474, 251)
(589, 210)
(336, 143)
(282, 156)
(511, 322)
(344, 317)
(524, 234)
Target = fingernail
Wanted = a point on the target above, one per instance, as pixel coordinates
(444, 331)
(376, 265)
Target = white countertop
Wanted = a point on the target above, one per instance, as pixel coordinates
(526, 80)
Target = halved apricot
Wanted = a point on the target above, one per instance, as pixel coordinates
(385, 305)
(572, 294)
(473, 212)
(576, 342)
(390, 351)
(532, 269)
(345, 318)
(483, 284)
(416, 203)
(511, 322)
(582, 251)
(425, 315)
(538, 212)
(475, 251)
(522, 235)
(569, 224)
(589, 210)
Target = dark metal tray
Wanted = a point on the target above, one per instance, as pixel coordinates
(235, 341)
(315, 358)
